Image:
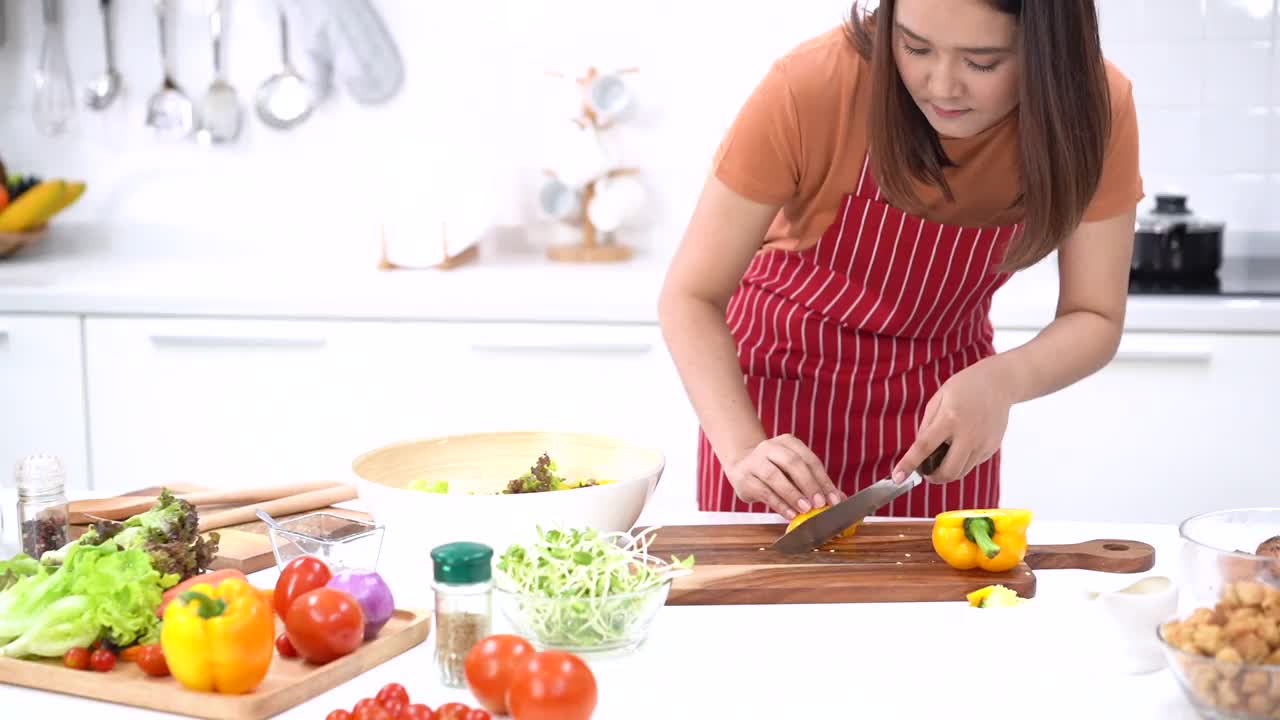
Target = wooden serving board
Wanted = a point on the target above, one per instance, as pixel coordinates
(245, 547)
(289, 682)
(885, 561)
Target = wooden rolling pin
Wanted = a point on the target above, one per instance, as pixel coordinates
(85, 512)
(304, 502)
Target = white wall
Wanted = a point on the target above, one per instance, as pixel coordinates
(473, 116)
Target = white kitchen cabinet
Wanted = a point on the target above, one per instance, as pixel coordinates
(229, 402)
(1175, 425)
(42, 393)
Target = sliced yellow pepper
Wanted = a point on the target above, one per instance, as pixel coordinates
(994, 596)
(993, 540)
(219, 639)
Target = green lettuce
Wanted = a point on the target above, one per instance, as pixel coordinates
(100, 592)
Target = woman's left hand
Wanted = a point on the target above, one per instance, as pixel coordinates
(970, 411)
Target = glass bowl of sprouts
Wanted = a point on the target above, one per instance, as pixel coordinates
(584, 591)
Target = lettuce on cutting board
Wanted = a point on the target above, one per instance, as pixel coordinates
(99, 592)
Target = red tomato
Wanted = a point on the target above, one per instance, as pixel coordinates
(325, 624)
(151, 660)
(102, 660)
(416, 711)
(452, 711)
(552, 685)
(284, 647)
(302, 575)
(338, 715)
(393, 691)
(478, 714)
(76, 659)
(370, 711)
(489, 665)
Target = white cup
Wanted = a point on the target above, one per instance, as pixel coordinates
(559, 201)
(1124, 623)
(616, 202)
(609, 95)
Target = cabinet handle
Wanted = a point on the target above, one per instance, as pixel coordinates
(237, 341)
(1166, 355)
(568, 347)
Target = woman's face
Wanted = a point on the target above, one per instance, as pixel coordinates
(959, 60)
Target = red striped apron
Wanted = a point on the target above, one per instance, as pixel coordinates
(844, 343)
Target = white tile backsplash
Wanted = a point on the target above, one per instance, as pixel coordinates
(470, 127)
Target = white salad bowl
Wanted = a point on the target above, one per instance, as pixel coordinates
(478, 466)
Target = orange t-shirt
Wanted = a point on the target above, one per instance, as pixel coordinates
(800, 139)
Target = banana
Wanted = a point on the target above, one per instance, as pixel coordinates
(33, 207)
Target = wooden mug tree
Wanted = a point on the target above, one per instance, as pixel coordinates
(591, 249)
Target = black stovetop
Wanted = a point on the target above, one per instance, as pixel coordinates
(1238, 277)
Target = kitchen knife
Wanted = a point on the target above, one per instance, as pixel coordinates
(825, 525)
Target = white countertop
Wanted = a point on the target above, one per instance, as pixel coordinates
(146, 271)
(889, 660)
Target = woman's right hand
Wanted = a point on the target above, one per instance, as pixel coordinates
(785, 475)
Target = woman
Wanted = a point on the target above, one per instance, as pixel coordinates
(877, 187)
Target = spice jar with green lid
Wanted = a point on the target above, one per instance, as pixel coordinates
(463, 585)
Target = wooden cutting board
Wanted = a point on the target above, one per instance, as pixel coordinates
(245, 547)
(289, 682)
(885, 561)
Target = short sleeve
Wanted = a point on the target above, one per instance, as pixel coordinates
(759, 156)
(1120, 188)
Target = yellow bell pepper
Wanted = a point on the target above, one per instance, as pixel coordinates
(993, 540)
(219, 639)
(994, 596)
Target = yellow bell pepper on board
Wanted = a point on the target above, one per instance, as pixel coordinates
(219, 639)
(993, 540)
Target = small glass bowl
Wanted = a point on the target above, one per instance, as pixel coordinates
(583, 625)
(1220, 548)
(340, 541)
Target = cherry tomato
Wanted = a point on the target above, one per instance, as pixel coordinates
(76, 659)
(488, 667)
(478, 714)
(393, 707)
(151, 660)
(338, 715)
(393, 691)
(371, 711)
(416, 711)
(552, 685)
(302, 575)
(102, 660)
(325, 624)
(452, 711)
(284, 647)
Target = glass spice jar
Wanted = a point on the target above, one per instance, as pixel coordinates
(463, 584)
(42, 504)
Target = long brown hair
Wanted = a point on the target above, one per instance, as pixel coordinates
(1064, 116)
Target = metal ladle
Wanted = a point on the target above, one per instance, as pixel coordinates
(104, 90)
(169, 110)
(285, 99)
(220, 113)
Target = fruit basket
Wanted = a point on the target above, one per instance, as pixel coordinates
(27, 202)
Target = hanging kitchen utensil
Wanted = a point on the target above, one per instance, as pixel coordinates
(374, 70)
(221, 116)
(285, 100)
(103, 91)
(169, 111)
(54, 105)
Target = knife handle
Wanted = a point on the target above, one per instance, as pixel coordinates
(934, 461)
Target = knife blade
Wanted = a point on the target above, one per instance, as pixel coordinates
(825, 525)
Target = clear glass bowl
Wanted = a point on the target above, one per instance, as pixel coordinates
(340, 541)
(611, 624)
(1224, 690)
(1221, 547)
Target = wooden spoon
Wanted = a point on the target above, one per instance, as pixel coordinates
(292, 505)
(85, 512)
